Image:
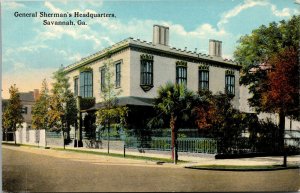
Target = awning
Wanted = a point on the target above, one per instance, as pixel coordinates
(125, 101)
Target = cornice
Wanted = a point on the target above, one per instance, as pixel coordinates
(148, 47)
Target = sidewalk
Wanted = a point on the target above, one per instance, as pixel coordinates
(206, 159)
(197, 158)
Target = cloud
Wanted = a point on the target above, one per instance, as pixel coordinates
(12, 5)
(84, 32)
(238, 9)
(97, 3)
(18, 66)
(10, 54)
(74, 57)
(285, 12)
(52, 8)
(247, 4)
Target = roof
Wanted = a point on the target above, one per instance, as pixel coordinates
(27, 96)
(149, 46)
(125, 101)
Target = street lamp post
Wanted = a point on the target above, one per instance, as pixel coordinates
(83, 120)
(108, 136)
(62, 125)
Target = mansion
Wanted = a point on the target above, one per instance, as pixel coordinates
(141, 67)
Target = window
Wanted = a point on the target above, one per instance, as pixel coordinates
(102, 80)
(86, 84)
(24, 110)
(76, 86)
(181, 72)
(203, 79)
(118, 75)
(146, 72)
(230, 84)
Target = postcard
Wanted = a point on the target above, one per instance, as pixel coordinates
(152, 95)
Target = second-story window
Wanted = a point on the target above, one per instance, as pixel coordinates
(86, 84)
(146, 72)
(102, 80)
(24, 110)
(118, 75)
(76, 86)
(203, 78)
(181, 72)
(230, 82)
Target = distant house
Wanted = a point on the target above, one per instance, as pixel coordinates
(28, 99)
(245, 107)
(141, 67)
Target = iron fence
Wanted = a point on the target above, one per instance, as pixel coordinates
(53, 135)
(192, 145)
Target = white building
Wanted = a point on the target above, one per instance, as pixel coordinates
(244, 107)
(140, 67)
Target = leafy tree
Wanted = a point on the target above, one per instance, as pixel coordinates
(205, 110)
(110, 111)
(282, 83)
(63, 110)
(12, 116)
(215, 116)
(175, 102)
(40, 109)
(266, 55)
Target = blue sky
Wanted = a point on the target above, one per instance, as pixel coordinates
(32, 51)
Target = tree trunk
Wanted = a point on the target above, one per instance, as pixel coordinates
(108, 136)
(281, 136)
(174, 138)
(15, 129)
(79, 136)
(63, 137)
(15, 138)
(68, 133)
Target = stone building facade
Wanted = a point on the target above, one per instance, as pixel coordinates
(141, 67)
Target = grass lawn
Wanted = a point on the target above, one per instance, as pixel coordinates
(242, 167)
(161, 160)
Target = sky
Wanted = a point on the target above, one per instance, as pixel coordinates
(32, 51)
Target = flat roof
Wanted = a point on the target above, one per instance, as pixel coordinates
(149, 46)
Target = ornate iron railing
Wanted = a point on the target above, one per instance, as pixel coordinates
(193, 145)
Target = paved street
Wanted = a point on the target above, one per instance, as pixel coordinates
(32, 169)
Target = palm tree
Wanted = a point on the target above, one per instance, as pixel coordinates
(175, 102)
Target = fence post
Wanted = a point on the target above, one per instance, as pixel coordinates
(124, 149)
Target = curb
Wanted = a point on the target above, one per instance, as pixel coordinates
(241, 169)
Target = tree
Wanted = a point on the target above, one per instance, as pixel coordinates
(40, 109)
(62, 112)
(215, 116)
(265, 65)
(174, 101)
(12, 116)
(282, 93)
(205, 110)
(110, 112)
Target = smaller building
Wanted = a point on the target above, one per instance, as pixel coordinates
(28, 99)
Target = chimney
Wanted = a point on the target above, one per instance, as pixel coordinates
(36, 94)
(215, 48)
(160, 35)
